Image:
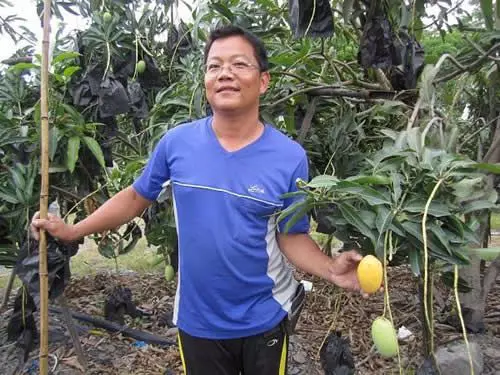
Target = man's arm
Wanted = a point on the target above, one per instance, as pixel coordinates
(303, 252)
(118, 210)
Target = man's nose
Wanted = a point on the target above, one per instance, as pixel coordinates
(225, 72)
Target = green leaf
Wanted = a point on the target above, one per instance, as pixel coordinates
(20, 196)
(351, 215)
(441, 236)
(57, 169)
(434, 248)
(324, 180)
(70, 70)
(370, 195)
(8, 198)
(223, 10)
(283, 214)
(23, 66)
(297, 215)
(368, 217)
(76, 116)
(72, 153)
(370, 180)
(53, 140)
(448, 279)
(384, 219)
(95, 149)
(396, 186)
(129, 247)
(414, 258)
(347, 7)
(468, 187)
(497, 20)
(17, 178)
(486, 253)
(455, 225)
(490, 167)
(28, 192)
(107, 249)
(436, 209)
(65, 56)
(487, 9)
(414, 139)
(477, 206)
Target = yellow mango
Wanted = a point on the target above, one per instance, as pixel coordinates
(370, 273)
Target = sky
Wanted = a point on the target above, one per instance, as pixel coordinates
(27, 10)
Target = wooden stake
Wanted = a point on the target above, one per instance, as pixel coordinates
(44, 193)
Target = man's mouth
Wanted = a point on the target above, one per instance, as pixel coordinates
(227, 89)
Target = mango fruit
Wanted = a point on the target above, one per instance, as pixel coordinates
(141, 66)
(370, 273)
(107, 17)
(384, 337)
(169, 272)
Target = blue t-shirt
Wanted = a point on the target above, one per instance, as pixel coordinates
(233, 280)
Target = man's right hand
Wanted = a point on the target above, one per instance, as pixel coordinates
(54, 225)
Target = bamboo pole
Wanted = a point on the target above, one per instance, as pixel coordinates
(44, 193)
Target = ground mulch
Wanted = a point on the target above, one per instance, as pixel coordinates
(327, 309)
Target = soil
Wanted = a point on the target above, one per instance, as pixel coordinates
(327, 309)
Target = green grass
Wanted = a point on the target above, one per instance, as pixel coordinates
(88, 261)
(141, 259)
(495, 221)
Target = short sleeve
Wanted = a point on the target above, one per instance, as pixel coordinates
(302, 225)
(149, 184)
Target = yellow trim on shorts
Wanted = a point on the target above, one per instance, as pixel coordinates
(284, 352)
(182, 353)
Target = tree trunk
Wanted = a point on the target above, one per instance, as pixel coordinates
(474, 303)
(426, 330)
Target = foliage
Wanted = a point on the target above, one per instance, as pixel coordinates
(379, 136)
(388, 198)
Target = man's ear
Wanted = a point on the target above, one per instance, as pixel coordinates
(265, 77)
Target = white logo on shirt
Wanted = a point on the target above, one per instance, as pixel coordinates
(256, 189)
(272, 342)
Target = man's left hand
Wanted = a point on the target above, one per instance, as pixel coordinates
(343, 270)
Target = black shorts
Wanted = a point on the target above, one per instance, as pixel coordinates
(263, 354)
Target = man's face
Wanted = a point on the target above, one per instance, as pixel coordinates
(233, 80)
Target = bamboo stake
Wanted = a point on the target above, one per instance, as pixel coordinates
(44, 193)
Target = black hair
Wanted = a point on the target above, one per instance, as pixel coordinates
(232, 30)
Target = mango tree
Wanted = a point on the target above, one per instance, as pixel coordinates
(338, 91)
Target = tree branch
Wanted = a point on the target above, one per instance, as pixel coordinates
(305, 80)
(492, 155)
(435, 22)
(307, 122)
(478, 48)
(383, 80)
(17, 60)
(485, 125)
(333, 91)
(490, 277)
(472, 66)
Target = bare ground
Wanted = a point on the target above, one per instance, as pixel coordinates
(327, 309)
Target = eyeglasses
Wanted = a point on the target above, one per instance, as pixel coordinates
(237, 67)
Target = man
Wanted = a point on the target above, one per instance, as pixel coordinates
(228, 174)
